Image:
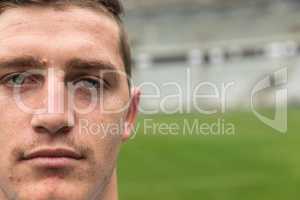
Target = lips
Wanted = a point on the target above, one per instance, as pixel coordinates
(53, 153)
(52, 158)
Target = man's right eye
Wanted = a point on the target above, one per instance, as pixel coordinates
(19, 80)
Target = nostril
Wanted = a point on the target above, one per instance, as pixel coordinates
(40, 129)
(65, 129)
(57, 130)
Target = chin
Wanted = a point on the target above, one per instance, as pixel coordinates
(52, 190)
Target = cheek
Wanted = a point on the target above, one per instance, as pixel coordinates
(114, 105)
(16, 111)
(106, 103)
(105, 146)
(99, 127)
(12, 119)
(103, 131)
(14, 124)
(106, 150)
(14, 129)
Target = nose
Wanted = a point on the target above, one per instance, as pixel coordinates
(58, 116)
(52, 123)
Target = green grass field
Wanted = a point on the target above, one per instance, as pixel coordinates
(256, 163)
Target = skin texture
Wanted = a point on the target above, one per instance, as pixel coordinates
(54, 37)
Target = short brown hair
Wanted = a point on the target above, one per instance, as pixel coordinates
(113, 8)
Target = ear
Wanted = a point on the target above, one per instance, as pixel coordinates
(131, 113)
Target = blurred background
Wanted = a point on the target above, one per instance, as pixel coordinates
(220, 104)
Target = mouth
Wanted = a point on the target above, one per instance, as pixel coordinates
(52, 157)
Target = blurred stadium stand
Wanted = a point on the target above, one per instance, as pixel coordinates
(219, 41)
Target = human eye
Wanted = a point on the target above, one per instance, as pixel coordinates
(90, 83)
(20, 80)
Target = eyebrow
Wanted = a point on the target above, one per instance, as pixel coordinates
(88, 65)
(21, 62)
(73, 64)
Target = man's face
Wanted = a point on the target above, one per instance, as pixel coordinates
(56, 60)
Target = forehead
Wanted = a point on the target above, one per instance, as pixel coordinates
(59, 35)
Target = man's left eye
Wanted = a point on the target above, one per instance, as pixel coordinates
(90, 83)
